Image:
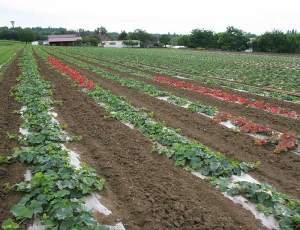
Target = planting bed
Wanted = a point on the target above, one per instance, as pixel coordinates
(143, 189)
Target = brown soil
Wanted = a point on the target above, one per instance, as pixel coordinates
(13, 173)
(238, 146)
(144, 190)
(284, 104)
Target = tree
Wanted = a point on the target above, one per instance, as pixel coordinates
(233, 39)
(122, 35)
(26, 36)
(183, 40)
(93, 41)
(293, 43)
(165, 39)
(61, 30)
(103, 30)
(203, 38)
(278, 42)
(141, 35)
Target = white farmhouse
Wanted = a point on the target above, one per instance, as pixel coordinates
(118, 44)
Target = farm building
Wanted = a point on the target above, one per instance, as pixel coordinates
(118, 44)
(63, 40)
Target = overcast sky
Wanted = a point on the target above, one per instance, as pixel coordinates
(154, 16)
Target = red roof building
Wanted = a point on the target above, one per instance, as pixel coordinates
(63, 40)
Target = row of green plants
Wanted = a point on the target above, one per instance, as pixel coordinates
(286, 78)
(283, 142)
(56, 187)
(207, 91)
(198, 157)
(131, 83)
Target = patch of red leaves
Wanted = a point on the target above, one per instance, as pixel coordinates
(75, 76)
(284, 142)
(228, 97)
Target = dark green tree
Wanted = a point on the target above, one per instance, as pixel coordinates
(278, 42)
(203, 38)
(103, 30)
(122, 35)
(26, 36)
(293, 43)
(61, 30)
(165, 39)
(233, 40)
(93, 41)
(5, 33)
(184, 40)
(145, 38)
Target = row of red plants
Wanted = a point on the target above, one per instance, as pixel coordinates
(75, 76)
(228, 97)
(284, 142)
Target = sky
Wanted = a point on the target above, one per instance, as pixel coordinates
(154, 16)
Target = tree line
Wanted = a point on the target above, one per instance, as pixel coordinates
(233, 39)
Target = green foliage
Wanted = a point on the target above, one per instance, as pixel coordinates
(141, 35)
(192, 155)
(26, 36)
(199, 108)
(7, 50)
(130, 43)
(94, 41)
(122, 35)
(233, 39)
(56, 186)
(184, 40)
(9, 224)
(164, 39)
(277, 42)
(203, 38)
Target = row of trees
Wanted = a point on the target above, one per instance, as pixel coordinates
(277, 42)
(232, 39)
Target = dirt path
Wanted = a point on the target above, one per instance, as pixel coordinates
(143, 189)
(9, 123)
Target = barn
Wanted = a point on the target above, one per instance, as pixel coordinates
(63, 39)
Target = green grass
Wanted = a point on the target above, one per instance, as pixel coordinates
(7, 50)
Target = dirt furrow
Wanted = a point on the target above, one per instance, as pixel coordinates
(13, 173)
(276, 122)
(144, 189)
(279, 170)
(271, 101)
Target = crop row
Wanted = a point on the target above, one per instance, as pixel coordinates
(203, 90)
(56, 187)
(284, 78)
(284, 141)
(197, 157)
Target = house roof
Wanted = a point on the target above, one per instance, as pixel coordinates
(64, 38)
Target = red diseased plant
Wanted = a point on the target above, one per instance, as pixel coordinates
(228, 97)
(75, 76)
(286, 141)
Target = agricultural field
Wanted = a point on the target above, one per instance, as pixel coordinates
(168, 139)
(7, 50)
